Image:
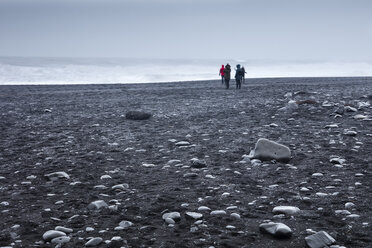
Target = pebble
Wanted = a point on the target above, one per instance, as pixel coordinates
(218, 212)
(319, 240)
(61, 240)
(169, 221)
(288, 210)
(120, 187)
(89, 229)
(194, 215)
(318, 174)
(125, 224)
(190, 175)
(349, 205)
(278, 230)
(353, 216)
(97, 205)
(172, 215)
(63, 229)
(51, 234)
(57, 175)
(321, 194)
(267, 150)
(204, 208)
(344, 212)
(197, 163)
(106, 177)
(235, 215)
(183, 143)
(210, 176)
(94, 242)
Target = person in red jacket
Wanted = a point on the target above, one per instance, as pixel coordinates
(222, 73)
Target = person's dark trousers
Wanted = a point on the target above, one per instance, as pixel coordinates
(243, 79)
(227, 83)
(238, 83)
(222, 79)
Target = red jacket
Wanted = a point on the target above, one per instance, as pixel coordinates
(222, 70)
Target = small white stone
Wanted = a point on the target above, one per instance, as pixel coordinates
(218, 212)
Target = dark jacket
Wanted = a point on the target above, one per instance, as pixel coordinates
(238, 73)
(227, 72)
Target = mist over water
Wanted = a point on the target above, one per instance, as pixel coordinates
(19, 70)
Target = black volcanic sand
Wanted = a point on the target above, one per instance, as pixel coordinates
(82, 130)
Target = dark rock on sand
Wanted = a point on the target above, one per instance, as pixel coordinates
(278, 230)
(268, 150)
(137, 115)
(319, 240)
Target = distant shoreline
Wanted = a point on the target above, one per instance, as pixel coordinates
(262, 80)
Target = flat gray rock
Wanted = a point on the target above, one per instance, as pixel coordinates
(125, 224)
(267, 150)
(197, 163)
(137, 115)
(57, 175)
(194, 215)
(94, 242)
(278, 230)
(51, 234)
(172, 215)
(319, 240)
(288, 210)
(97, 205)
(61, 240)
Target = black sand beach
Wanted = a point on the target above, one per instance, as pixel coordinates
(82, 130)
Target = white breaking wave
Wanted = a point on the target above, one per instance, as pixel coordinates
(19, 70)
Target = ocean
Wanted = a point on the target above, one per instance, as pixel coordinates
(32, 70)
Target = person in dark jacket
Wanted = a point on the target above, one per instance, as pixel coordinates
(222, 73)
(227, 73)
(243, 70)
(238, 76)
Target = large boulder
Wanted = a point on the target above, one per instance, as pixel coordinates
(267, 150)
(137, 115)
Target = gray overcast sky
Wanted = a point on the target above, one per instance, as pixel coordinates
(338, 30)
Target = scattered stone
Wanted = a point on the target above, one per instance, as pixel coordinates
(350, 109)
(353, 216)
(349, 205)
(194, 215)
(340, 110)
(120, 187)
(204, 208)
(235, 215)
(169, 221)
(61, 240)
(268, 150)
(97, 205)
(197, 163)
(183, 143)
(318, 174)
(278, 230)
(94, 242)
(106, 177)
(137, 115)
(51, 234)
(319, 240)
(288, 210)
(343, 212)
(63, 229)
(57, 175)
(218, 212)
(176, 216)
(190, 175)
(125, 224)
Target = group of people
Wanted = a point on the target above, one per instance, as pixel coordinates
(225, 73)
